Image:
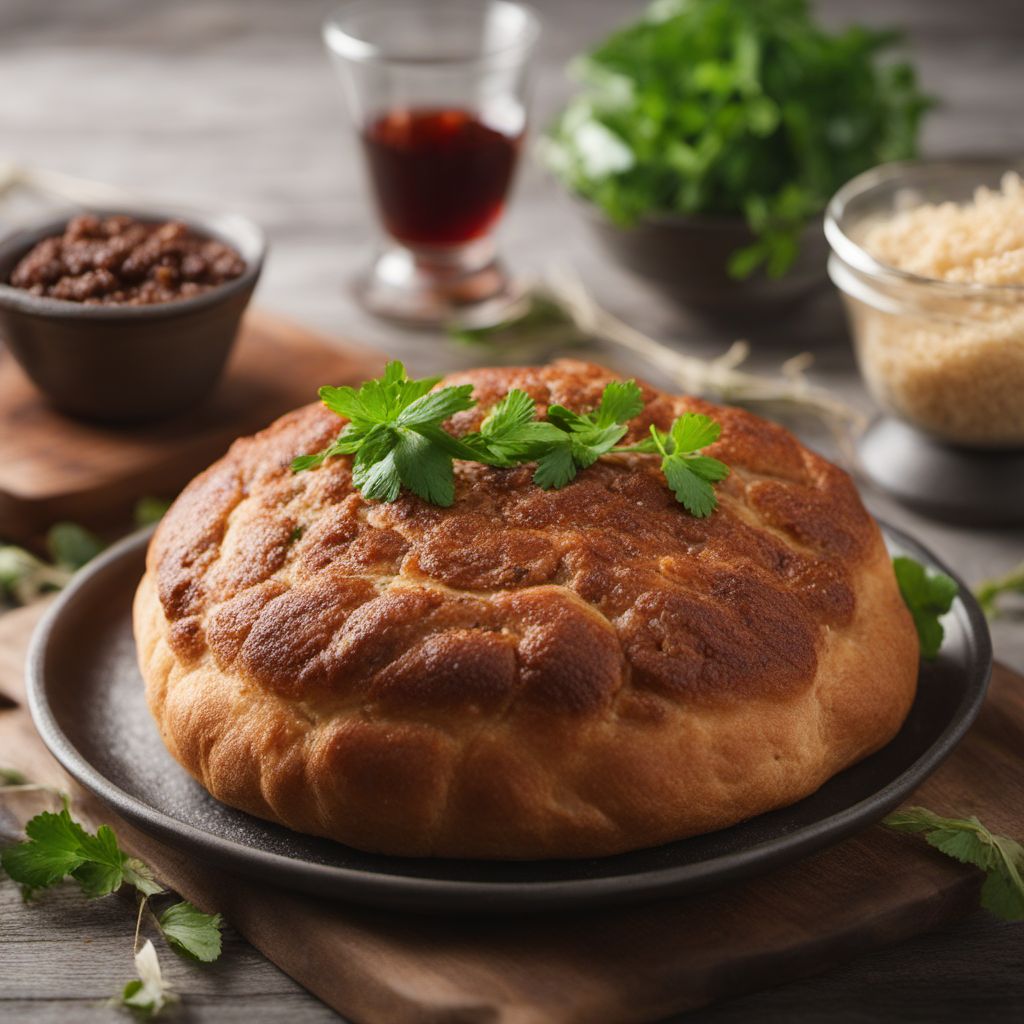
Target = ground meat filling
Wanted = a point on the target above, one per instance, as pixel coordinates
(123, 261)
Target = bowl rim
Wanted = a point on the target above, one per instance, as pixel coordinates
(241, 232)
(854, 255)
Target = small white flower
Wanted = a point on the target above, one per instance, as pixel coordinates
(150, 993)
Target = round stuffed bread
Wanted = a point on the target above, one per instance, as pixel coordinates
(528, 673)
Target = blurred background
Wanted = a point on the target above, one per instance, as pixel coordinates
(232, 104)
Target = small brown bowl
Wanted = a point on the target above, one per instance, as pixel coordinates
(687, 258)
(123, 364)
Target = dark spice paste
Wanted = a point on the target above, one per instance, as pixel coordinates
(123, 261)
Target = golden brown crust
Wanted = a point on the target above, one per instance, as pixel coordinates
(528, 673)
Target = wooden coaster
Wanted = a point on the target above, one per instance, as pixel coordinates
(53, 468)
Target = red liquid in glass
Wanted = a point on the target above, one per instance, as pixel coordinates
(440, 175)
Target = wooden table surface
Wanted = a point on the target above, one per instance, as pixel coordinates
(232, 104)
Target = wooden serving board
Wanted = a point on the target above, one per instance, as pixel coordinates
(54, 468)
(619, 966)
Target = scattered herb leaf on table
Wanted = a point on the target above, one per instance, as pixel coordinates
(59, 847)
(970, 842)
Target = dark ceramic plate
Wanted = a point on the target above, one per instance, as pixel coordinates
(87, 700)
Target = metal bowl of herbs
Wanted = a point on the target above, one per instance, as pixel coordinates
(707, 137)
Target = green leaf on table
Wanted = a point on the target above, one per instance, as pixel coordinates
(59, 847)
(970, 842)
(71, 545)
(55, 848)
(191, 932)
(24, 577)
(928, 596)
(140, 875)
(989, 591)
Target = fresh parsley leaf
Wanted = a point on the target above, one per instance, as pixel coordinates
(102, 872)
(191, 932)
(55, 848)
(511, 432)
(11, 777)
(555, 469)
(621, 401)
(589, 435)
(59, 847)
(425, 469)
(694, 431)
(149, 993)
(690, 474)
(970, 842)
(695, 494)
(140, 875)
(988, 591)
(395, 434)
(515, 411)
(928, 596)
(303, 462)
(375, 472)
(432, 409)
(71, 545)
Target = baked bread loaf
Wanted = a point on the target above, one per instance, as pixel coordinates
(529, 673)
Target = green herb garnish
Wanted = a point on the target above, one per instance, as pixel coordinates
(970, 842)
(191, 932)
(396, 438)
(736, 108)
(988, 591)
(690, 474)
(928, 596)
(394, 435)
(585, 437)
(58, 847)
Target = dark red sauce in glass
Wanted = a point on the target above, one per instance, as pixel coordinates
(440, 175)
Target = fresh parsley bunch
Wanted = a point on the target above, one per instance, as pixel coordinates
(396, 437)
(733, 107)
(689, 474)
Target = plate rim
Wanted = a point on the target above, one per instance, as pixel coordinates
(462, 896)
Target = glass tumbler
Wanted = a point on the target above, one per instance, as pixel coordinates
(438, 95)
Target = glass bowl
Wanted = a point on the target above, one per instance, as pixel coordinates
(946, 357)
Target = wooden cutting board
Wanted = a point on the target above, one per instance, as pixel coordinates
(620, 966)
(54, 468)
